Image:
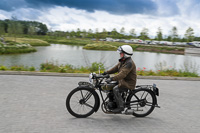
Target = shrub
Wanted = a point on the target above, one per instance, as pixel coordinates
(84, 69)
(66, 69)
(95, 67)
(49, 66)
(151, 73)
(3, 68)
(19, 68)
(32, 68)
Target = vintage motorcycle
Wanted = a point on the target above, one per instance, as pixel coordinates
(83, 101)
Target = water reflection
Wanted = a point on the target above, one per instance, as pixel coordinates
(75, 55)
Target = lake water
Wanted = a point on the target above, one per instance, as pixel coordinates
(76, 56)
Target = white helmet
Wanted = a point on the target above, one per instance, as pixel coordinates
(126, 49)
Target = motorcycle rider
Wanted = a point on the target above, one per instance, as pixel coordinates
(126, 75)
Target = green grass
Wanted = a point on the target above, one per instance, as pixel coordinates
(100, 46)
(16, 48)
(61, 40)
(72, 41)
(136, 47)
(32, 42)
(158, 49)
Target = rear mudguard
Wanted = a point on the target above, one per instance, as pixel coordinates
(95, 94)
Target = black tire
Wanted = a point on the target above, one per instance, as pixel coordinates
(144, 102)
(82, 102)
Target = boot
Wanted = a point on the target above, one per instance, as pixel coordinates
(120, 102)
(118, 110)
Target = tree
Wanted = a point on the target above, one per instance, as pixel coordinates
(104, 33)
(42, 29)
(15, 27)
(144, 34)
(174, 34)
(114, 33)
(132, 33)
(84, 33)
(96, 30)
(90, 34)
(104, 30)
(72, 33)
(2, 28)
(169, 38)
(31, 30)
(159, 36)
(122, 31)
(189, 34)
(90, 31)
(97, 34)
(78, 32)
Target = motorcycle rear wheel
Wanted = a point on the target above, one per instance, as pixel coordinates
(142, 102)
(81, 102)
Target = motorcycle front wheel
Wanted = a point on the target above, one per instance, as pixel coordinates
(81, 102)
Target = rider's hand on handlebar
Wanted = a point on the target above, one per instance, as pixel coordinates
(104, 73)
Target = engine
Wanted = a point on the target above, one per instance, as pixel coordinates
(111, 105)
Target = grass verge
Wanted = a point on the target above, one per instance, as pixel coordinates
(54, 67)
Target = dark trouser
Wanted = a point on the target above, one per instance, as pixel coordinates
(117, 93)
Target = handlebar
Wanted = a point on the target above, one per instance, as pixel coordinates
(101, 76)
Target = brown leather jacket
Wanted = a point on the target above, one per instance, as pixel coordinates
(126, 73)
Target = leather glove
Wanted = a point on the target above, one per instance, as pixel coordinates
(104, 73)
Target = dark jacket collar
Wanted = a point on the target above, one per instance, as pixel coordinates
(122, 60)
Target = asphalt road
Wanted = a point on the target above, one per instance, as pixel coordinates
(36, 104)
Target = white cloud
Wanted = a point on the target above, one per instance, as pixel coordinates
(166, 7)
(190, 9)
(4, 15)
(67, 19)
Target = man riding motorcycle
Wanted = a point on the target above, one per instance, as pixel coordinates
(126, 75)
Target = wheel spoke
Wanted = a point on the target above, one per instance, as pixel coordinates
(87, 97)
(144, 96)
(149, 104)
(81, 93)
(89, 105)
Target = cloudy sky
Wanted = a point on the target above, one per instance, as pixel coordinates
(67, 15)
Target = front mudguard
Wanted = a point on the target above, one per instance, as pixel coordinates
(96, 108)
